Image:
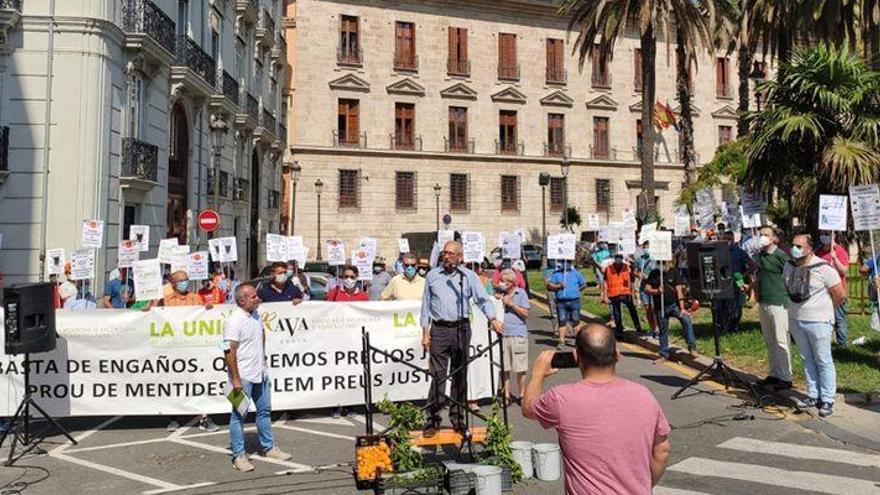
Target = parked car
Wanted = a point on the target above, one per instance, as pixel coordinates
(318, 283)
(532, 254)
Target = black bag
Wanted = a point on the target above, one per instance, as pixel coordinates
(797, 284)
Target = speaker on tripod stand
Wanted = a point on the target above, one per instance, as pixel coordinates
(28, 327)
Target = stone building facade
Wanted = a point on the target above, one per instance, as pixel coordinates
(409, 109)
(109, 110)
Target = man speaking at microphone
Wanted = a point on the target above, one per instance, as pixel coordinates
(447, 331)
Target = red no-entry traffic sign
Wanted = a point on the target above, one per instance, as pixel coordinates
(209, 220)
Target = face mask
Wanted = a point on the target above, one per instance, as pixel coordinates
(764, 241)
(423, 272)
(618, 261)
(280, 278)
(289, 273)
(377, 270)
(825, 239)
(646, 253)
(502, 286)
(409, 271)
(349, 283)
(224, 284)
(797, 252)
(182, 286)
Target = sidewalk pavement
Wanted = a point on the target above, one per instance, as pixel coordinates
(856, 418)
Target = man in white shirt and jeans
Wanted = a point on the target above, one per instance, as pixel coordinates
(245, 354)
(815, 289)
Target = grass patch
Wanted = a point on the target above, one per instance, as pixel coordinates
(858, 367)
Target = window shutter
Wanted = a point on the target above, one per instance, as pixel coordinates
(353, 121)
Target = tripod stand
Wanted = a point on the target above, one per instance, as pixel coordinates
(19, 425)
(718, 368)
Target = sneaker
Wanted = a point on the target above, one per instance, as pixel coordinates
(805, 403)
(241, 463)
(825, 409)
(277, 454)
(768, 381)
(174, 426)
(781, 385)
(337, 413)
(692, 349)
(350, 413)
(207, 424)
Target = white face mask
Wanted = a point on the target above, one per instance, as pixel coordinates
(280, 278)
(502, 286)
(764, 240)
(349, 283)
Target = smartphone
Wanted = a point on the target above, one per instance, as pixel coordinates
(563, 359)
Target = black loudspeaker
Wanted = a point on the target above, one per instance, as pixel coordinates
(30, 318)
(709, 272)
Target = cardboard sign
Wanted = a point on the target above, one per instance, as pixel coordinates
(82, 264)
(752, 202)
(335, 252)
(511, 247)
(561, 247)
(403, 246)
(140, 235)
(276, 247)
(661, 245)
(865, 202)
(92, 234)
(474, 246)
(228, 250)
(362, 260)
(128, 254)
(166, 250)
(147, 276)
(593, 222)
(832, 212)
(682, 225)
(370, 245)
(197, 266)
(646, 233)
(55, 261)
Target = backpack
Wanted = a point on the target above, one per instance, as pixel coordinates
(797, 284)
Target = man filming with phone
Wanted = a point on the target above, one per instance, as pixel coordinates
(612, 431)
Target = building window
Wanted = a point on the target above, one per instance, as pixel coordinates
(135, 105)
(349, 41)
(639, 139)
(129, 217)
(349, 194)
(458, 131)
(556, 134)
(722, 77)
(507, 66)
(215, 46)
(601, 78)
(557, 194)
(405, 190)
(349, 122)
(555, 61)
(182, 18)
(507, 132)
(405, 46)
(637, 70)
(600, 137)
(603, 195)
(725, 134)
(404, 126)
(509, 193)
(458, 64)
(459, 192)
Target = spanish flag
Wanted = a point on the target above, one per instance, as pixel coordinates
(664, 117)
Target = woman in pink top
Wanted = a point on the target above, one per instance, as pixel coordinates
(348, 289)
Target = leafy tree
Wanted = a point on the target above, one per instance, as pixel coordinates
(574, 218)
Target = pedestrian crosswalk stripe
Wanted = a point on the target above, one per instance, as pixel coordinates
(798, 480)
(662, 490)
(802, 452)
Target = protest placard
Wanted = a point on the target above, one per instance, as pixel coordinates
(750, 221)
(166, 250)
(276, 248)
(629, 219)
(147, 276)
(593, 222)
(647, 232)
(832, 212)
(215, 246)
(299, 254)
(179, 258)
(474, 246)
(370, 245)
(197, 266)
(615, 232)
(682, 225)
(403, 245)
(361, 260)
(444, 236)
(128, 254)
(511, 247)
(561, 247)
(627, 244)
(229, 250)
(752, 202)
(92, 234)
(865, 202)
(82, 264)
(661, 245)
(521, 232)
(55, 261)
(335, 252)
(140, 234)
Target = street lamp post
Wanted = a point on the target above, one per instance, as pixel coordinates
(565, 166)
(218, 132)
(757, 76)
(319, 188)
(543, 181)
(437, 189)
(294, 179)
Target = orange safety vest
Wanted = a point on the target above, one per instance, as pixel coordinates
(617, 283)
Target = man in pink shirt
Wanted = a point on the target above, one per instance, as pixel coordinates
(838, 258)
(612, 431)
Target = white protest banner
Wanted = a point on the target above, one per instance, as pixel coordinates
(335, 252)
(362, 260)
(82, 264)
(370, 245)
(128, 254)
(197, 266)
(166, 250)
(661, 245)
(167, 362)
(832, 212)
(593, 221)
(403, 245)
(147, 276)
(752, 202)
(647, 232)
(276, 247)
(561, 247)
(444, 236)
(682, 225)
(474, 247)
(511, 247)
(140, 234)
(92, 234)
(627, 245)
(865, 202)
(750, 221)
(55, 261)
(228, 250)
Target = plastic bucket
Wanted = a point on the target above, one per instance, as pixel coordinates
(546, 457)
(488, 479)
(522, 454)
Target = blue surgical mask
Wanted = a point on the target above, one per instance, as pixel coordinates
(797, 252)
(289, 273)
(182, 286)
(224, 284)
(409, 271)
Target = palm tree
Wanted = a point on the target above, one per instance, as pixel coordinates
(820, 132)
(610, 20)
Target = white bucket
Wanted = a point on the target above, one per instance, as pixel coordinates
(488, 479)
(546, 457)
(522, 454)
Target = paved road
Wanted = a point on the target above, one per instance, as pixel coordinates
(713, 453)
